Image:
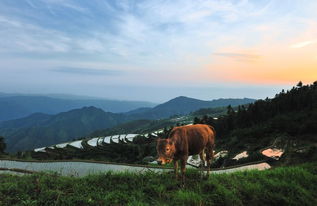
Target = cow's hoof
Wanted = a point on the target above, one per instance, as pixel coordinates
(181, 185)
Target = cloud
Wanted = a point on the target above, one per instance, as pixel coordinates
(126, 29)
(303, 44)
(66, 4)
(26, 37)
(4, 21)
(31, 4)
(150, 37)
(87, 71)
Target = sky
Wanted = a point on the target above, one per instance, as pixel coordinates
(155, 50)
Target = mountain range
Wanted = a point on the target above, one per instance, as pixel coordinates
(41, 129)
(14, 106)
(183, 105)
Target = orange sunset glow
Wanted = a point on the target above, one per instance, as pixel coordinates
(267, 65)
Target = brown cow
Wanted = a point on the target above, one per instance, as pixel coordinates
(184, 141)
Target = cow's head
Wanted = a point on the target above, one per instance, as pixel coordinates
(165, 150)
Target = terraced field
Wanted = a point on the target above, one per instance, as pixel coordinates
(123, 148)
(93, 142)
(137, 149)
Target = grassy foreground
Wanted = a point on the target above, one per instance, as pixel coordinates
(295, 185)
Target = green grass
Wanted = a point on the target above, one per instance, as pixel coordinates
(296, 185)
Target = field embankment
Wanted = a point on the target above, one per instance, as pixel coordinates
(294, 185)
(82, 168)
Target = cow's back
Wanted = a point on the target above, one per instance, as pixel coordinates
(192, 139)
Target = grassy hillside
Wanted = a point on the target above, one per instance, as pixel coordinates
(280, 186)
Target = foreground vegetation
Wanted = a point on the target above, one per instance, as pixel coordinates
(294, 185)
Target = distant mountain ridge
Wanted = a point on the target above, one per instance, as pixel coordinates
(18, 106)
(184, 105)
(40, 129)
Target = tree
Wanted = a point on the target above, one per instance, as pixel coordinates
(196, 120)
(230, 110)
(300, 84)
(2, 145)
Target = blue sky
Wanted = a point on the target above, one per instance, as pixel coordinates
(157, 50)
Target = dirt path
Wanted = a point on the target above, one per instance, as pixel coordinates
(79, 169)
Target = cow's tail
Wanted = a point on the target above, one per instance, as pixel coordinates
(213, 129)
(212, 145)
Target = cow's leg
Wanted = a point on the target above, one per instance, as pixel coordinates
(176, 168)
(209, 157)
(202, 158)
(183, 169)
(202, 164)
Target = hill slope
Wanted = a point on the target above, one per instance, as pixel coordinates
(41, 130)
(184, 105)
(287, 122)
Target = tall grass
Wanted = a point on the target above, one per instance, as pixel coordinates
(295, 185)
